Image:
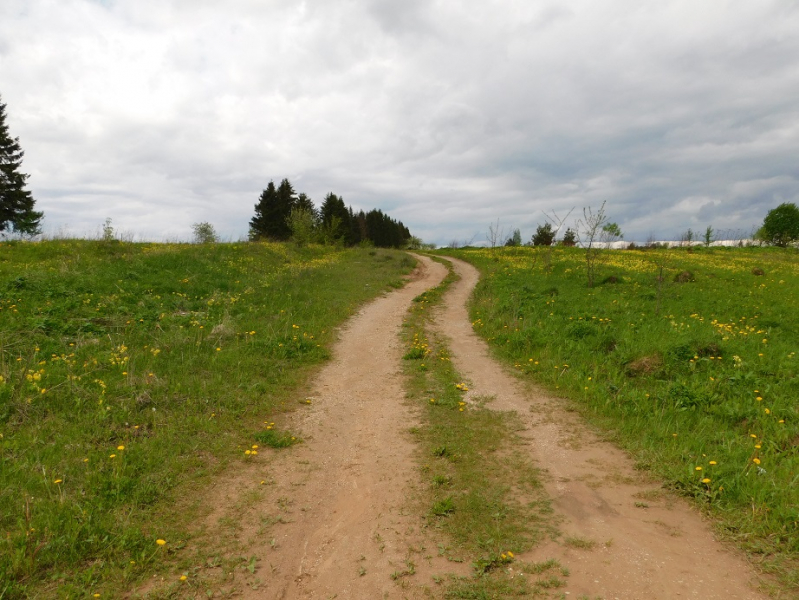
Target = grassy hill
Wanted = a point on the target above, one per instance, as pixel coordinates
(689, 356)
(131, 373)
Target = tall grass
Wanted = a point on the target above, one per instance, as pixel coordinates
(688, 356)
(129, 373)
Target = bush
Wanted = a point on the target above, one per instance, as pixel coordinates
(204, 233)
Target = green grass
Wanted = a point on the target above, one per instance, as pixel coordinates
(132, 373)
(688, 357)
(483, 495)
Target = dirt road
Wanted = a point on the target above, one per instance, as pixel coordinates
(332, 518)
(647, 543)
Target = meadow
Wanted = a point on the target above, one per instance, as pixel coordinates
(130, 374)
(685, 357)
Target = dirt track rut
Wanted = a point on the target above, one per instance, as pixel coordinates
(330, 517)
(648, 543)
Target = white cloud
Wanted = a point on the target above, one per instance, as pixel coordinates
(447, 115)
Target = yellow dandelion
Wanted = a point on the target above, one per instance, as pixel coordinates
(712, 462)
(698, 468)
(756, 461)
(247, 452)
(706, 480)
(510, 553)
(120, 447)
(160, 542)
(183, 578)
(58, 481)
(112, 456)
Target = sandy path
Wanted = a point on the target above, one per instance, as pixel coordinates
(660, 549)
(329, 520)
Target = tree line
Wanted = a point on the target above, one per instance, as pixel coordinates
(282, 214)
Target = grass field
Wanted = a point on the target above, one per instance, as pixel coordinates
(689, 358)
(131, 373)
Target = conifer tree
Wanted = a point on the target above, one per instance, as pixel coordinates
(272, 212)
(335, 217)
(16, 203)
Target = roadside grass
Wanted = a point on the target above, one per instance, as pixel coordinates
(130, 374)
(689, 358)
(482, 494)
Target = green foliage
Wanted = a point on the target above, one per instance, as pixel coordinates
(611, 232)
(781, 225)
(569, 238)
(711, 381)
(303, 225)
(515, 239)
(544, 235)
(16, 203)
(272, 212)
(129, 377)
(204, 233)
(281, 215)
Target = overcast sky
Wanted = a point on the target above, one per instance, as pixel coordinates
(447, 114)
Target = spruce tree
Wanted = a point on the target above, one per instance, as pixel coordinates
(16, 203)
(264, 213)
(335, 218)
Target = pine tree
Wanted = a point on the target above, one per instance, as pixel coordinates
(335, 218)
(16, 203)
(264, 213)
(272, 212)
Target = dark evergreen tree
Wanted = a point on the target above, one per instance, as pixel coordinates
(385, 232)
(335, 218)
(569, 238)
(354, 236)
(16, 203)
(272, 212)
(286, 199)
(544, 235)
(265, 211)
(305, 203)
(360, 224)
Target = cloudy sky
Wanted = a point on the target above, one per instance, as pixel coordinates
(447, 114)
